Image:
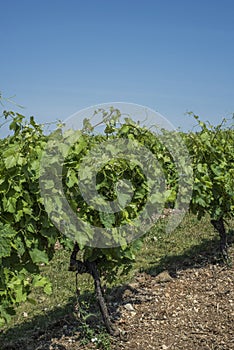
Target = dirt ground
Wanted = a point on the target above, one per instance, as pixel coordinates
(192, 309)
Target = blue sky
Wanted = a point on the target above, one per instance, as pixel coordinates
(174, 56)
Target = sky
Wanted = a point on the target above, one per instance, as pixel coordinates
(58, 57)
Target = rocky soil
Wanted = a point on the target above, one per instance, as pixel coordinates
(191, 309)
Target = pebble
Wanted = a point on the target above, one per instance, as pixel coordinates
(129, 307)
(163, 277)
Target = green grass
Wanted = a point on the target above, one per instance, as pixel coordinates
(192, 243)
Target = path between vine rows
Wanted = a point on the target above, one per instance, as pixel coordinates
(192, 310)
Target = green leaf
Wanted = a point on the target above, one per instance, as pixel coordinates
(107, 219)
(9, 204)
(10, 161)
(48, 288)
(6, 237)
(38, 256)
(49, 184)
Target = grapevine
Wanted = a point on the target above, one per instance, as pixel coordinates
(28, 225)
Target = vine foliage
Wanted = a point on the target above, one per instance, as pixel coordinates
(27, 233)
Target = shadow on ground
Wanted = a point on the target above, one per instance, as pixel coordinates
(197, 256)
